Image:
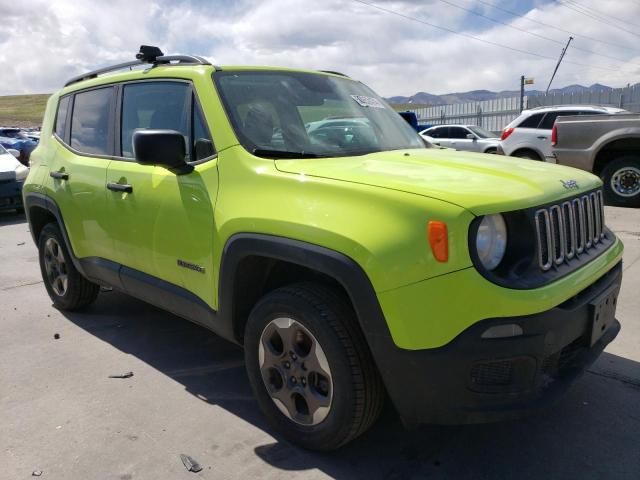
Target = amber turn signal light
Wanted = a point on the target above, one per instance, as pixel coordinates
(439, 240)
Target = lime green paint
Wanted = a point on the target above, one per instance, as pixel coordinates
(373, 209)
(451, 303)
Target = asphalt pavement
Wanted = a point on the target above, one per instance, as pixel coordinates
(63, 416)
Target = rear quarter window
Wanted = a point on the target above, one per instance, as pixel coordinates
(531, 121)
(61, 117)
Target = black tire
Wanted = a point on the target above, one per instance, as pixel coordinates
(611, 174)
(491, 151)
(358, 393)
(528, 154)
(78, 292)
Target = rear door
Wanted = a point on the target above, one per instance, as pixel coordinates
(440, 136)
(84, 133)
(163, 226)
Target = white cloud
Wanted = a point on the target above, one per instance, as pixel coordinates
(42, 42)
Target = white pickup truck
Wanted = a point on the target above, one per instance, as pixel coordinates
(607, 145)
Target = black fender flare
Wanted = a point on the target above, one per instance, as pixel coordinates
(336, 265)
(40, 200)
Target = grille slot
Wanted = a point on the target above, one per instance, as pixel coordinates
(569, 229)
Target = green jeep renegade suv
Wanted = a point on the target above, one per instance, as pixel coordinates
(294, 213)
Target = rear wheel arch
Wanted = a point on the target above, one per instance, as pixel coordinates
(522, 152)
(42, 210)
(614, 149)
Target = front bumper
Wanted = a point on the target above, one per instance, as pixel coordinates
(474, 380)
(10, 194)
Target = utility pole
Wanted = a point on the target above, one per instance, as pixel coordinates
(564, 50)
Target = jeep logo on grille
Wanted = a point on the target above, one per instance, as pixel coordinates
(569, 184)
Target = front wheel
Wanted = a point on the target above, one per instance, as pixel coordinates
(66, 287)
(310, 367)
(621, 178)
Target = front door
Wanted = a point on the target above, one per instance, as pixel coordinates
(162, 223)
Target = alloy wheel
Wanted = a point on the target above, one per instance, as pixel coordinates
(55, 267)
(295, 371)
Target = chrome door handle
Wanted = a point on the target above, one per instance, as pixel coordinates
(59, 175)
(120, 187)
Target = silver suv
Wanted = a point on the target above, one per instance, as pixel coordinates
(529, 135)
(462, 137)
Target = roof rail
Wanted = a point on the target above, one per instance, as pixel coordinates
(334, 73)
(147, 55)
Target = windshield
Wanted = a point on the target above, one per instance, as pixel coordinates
(302, 115)
(481, 132)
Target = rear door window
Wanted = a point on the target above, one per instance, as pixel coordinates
(531, 121)
(91, 131)
(439, 132)
(550, 118)
(458, 133)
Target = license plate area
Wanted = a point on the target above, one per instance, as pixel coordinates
(603, 312)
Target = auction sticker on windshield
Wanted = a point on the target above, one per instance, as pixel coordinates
(365, 101)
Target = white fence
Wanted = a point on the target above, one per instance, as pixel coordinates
(495, 114)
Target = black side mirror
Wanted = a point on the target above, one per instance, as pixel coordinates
(165, 148)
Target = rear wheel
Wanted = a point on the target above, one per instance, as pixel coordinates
(68, 289)
(528, 154)
(621, 178)
(310, 367)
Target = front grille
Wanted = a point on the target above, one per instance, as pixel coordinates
(569, 229)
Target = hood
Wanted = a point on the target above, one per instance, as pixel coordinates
(480, 183)
(9, 163)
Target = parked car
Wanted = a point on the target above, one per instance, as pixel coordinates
(607, 145)
(529, 135)
(350, 272)
(462, 137)
(16, 139)
(12, 177)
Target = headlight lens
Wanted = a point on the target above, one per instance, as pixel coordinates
(21, 173)
(491, 241)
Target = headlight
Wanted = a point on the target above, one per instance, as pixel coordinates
(21, 173)
(491, 241)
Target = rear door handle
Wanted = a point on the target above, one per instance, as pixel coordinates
(542, 138)
(120, 187)
(59, 175)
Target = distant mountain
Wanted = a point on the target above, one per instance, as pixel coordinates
(424, 98)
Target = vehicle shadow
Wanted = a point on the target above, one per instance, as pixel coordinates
(12, 218)
(593, 433)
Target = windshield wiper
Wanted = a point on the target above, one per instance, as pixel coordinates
(265, 152)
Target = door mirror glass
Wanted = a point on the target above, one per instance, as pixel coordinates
(164, 148)
(471, 136)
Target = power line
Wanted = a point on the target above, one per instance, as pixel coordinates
(594, 17)
(489, 42)
(603, 14)
(578, 35)
(513, 27)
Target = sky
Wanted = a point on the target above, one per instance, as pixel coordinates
(395, 47)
